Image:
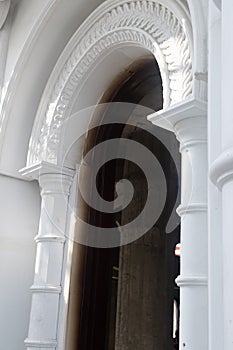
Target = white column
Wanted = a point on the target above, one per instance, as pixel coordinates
(215, 275)
(55, 186)
(222, 171)
(188, 121)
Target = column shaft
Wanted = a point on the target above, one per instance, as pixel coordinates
(222, 171)
(194, 245)
(188, 121)
(49, 261)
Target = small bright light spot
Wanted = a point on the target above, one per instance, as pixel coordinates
(177, 250)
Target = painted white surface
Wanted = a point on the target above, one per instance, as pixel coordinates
(226, 171)
(214, 195)
(19, 217)
(222, 172)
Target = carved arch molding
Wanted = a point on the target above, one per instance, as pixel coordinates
(149, 24)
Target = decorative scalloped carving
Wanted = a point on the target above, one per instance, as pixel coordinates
(143, 22)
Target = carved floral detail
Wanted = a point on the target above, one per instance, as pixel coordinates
(146, 23)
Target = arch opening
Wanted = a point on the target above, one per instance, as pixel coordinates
(123, 297)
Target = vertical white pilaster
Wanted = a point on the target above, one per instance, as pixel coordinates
(222, 170)
(215, 282)
(222, 175)
(55, 186)
(188, 121)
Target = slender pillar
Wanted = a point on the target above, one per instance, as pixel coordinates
(222, 175)
(215, 282)
(46, 289)
(222, 171)
(188, 121)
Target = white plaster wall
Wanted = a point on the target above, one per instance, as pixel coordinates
(30, 19)
(19, 215)
(24, 18)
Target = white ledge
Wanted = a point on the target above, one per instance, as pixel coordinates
(32, 172)
(168, 118)
(186, 281)
(221, 170)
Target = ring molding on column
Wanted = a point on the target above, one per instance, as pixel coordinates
(52, 238)
(40, 343)
(186, 281)
(191, 208)
(46, 289)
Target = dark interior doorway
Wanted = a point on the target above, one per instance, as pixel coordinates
(123, 298)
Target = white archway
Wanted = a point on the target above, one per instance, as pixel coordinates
(162, 28)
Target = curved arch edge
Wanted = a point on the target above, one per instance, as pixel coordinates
(91, 41)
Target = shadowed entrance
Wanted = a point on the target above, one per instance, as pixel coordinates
(122, 298)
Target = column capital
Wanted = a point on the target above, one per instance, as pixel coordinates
(188, 120)
(53, 179)
(188, 110)
(35, 171)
